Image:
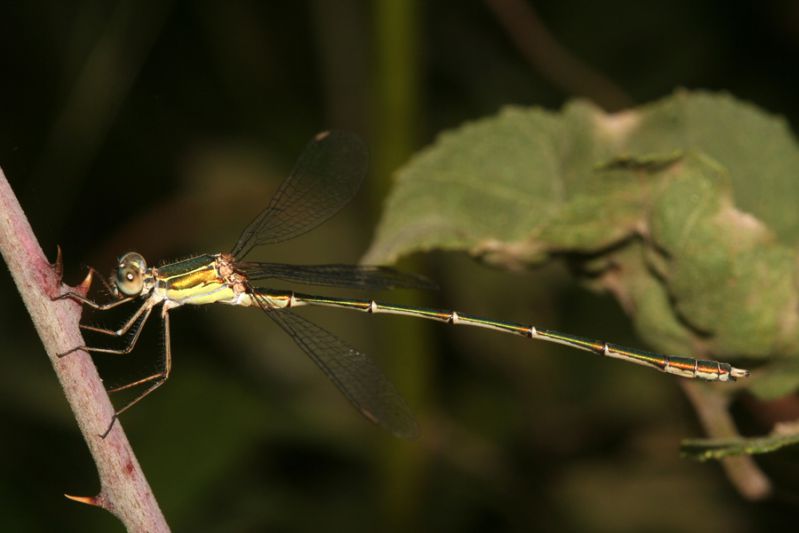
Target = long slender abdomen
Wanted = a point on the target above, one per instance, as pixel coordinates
(688, 367)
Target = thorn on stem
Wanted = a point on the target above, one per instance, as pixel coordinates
(86, 284)
(96, 501)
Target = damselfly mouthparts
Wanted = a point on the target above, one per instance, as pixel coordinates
(326, 177)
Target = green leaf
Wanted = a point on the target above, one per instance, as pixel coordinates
(715, 449)
(685, 209)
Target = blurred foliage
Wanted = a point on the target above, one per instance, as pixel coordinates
(705, 449)
(702, 257)
(163, 127)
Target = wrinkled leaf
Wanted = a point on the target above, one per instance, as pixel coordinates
(684, 209)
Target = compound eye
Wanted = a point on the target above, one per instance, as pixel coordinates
(130, 274)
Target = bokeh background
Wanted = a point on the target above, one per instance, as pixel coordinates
(163, 126)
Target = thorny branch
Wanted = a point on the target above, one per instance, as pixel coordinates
(124, 489)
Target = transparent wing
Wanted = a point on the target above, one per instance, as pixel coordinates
(353, 372)
(325, 178)
(335, 275)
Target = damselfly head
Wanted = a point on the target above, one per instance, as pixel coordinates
(130, 273)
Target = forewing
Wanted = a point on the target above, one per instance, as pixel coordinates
(325, 178)
(335, 275)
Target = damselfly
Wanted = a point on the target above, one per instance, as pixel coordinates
(326, 177)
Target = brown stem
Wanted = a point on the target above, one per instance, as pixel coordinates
(713, 411)
(124, 489)
(552, 60)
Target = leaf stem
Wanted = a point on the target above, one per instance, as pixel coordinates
(552, 60)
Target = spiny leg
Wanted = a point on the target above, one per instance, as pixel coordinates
(145, 309)
(80, 298)
(91, 303)
(125, 327)
(155, 380)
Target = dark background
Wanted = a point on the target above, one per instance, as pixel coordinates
(162, 127)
